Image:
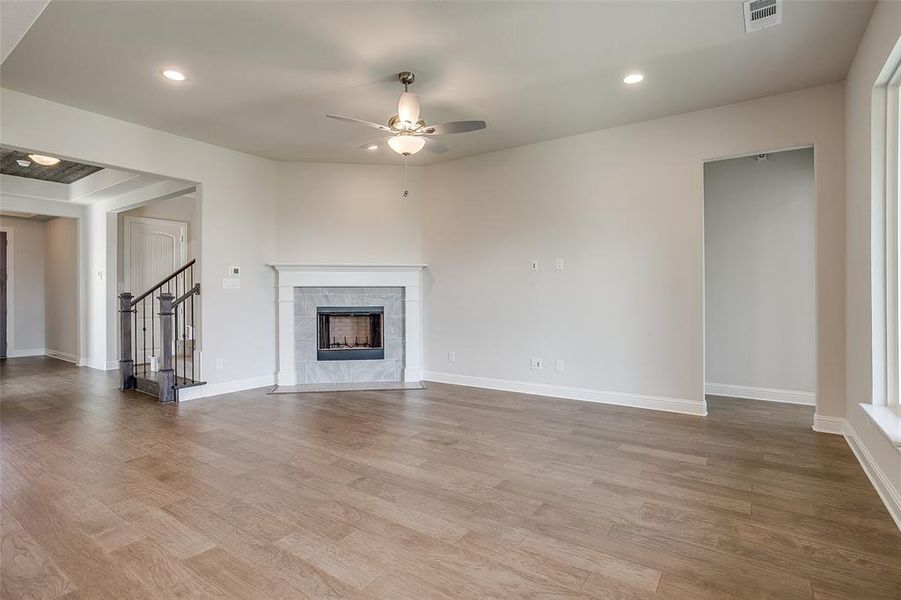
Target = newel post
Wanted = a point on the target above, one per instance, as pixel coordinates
(166, 375)
(126, 360)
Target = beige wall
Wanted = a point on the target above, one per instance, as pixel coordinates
(341, 213)
(759, 264)
(61, 289)
(880, 42)
(25, 329)
(624, 208)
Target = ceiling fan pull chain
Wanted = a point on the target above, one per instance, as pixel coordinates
(406, 191)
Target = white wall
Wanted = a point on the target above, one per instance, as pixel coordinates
(61, 289)
(345, 213)
(759, 263)
(863, 237)
(624, 208)
(237, 206)
(25, 323)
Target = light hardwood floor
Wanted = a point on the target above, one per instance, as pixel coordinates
(443, 493)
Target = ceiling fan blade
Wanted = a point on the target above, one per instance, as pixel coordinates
(453, 127)
(359, 122)
(379, 143)
(434, 146)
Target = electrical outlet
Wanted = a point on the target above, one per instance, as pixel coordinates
(451, 357)
(219, 364)
(561, 264)
(558, 365)
(533, 266)
(537, 364)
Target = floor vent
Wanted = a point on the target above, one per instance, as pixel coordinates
(760, 14)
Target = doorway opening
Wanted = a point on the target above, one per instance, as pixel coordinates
(760, 277)
(39, 286)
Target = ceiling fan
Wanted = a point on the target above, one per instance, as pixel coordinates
(407, 133)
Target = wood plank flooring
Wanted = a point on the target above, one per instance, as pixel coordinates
(442, 493)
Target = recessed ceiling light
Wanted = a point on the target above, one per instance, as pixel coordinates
(373, 147)
(47, 161)
(174, 75)
(23, 163)
(632, 78)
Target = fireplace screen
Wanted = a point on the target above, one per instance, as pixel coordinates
(351, 332)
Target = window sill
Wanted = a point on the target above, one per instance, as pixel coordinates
(888, 420)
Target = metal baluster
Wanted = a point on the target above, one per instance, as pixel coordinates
(175, 339)
(193, 326)
(134, 337)
(144, 333)
(152, 329)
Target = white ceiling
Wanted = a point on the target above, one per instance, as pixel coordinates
(263, 74)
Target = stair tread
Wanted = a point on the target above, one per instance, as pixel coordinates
(180, 382)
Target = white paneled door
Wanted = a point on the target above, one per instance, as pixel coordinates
(154, 249)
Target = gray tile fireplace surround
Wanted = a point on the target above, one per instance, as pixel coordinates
(310, 370)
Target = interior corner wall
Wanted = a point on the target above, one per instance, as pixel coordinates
(25, 325)
(349, 213)
(759, 263)
(61, 289)
(881, 40)
(624, 208)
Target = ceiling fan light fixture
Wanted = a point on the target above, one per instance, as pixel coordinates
(408, 108)
(47, 161)
(406, 144)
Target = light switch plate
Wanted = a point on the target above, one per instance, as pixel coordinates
(234, 271)
(533, 266)
(561, 264)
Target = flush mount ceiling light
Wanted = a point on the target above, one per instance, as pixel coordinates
(407, 132)
(47, 161)
(633, 78)
(173, 75)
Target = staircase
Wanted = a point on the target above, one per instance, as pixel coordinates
(158, 337)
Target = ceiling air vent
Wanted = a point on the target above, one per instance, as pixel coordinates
(760, 14)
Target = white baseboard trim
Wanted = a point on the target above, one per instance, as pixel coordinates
(761, 393)
(887, 492)
(25, 352)
(61, 355)
(676, 405)
(225, 387)
(834, 425)
(102, 366)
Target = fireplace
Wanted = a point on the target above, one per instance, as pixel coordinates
(350, 332)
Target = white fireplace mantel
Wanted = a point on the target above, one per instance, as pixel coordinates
(291, 275)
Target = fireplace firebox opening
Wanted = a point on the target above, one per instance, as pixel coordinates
(351, 332)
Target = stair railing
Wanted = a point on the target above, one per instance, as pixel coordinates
(158, 357)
